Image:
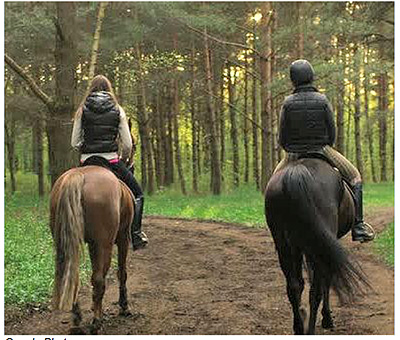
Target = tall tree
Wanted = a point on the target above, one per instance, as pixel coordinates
(369, 123)
(96, 39)
(214, 154)
(234, 130)
(62, 105)
(265, 95)
(357, 112)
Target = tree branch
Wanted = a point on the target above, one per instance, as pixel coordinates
(30, 81)
(245, 47)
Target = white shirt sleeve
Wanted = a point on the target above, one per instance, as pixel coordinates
(124, 134)
(77, 133)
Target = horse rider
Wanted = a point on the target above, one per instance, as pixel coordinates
(307, 126)
(99, 124)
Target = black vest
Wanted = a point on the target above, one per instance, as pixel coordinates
(307, 122)
(100, 123)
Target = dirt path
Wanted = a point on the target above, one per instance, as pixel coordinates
(213, 278)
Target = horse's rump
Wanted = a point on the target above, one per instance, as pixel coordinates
(302, 210)
(88, 204)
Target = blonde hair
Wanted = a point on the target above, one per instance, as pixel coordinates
(99, 83)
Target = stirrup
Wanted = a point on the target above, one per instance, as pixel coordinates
(139, 241)
(362, 232)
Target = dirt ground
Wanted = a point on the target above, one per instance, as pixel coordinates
(214, 278)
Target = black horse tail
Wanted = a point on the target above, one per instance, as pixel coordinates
(308, 230)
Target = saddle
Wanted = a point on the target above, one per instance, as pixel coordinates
(320, 155)
(98, 161)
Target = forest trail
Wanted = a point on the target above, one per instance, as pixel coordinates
(216, 278)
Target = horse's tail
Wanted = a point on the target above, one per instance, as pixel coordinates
(308, 232)
(68, 234)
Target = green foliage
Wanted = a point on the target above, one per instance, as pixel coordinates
(244, 205)
(384, 244)
(379, 194)
(28, 248)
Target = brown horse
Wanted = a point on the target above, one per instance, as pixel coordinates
(308, 208)
(89, 205)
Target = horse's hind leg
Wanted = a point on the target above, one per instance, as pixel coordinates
(76, 320)
(123, 245)
(327, 321)
(101, 259)
(76, 316)
(315, 299)
(291, 263)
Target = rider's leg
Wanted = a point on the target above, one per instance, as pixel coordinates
(139, 238)
(361, 230)
(282, 163)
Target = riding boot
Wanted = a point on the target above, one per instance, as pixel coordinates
(139, 238)
(361, 230)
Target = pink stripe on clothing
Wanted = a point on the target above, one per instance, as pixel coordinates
(113, 161)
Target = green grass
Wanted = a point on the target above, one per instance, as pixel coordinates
(384, 245)
(28, 247)
(28, 252)
(379, 194)
(29, 266)
(244, 205)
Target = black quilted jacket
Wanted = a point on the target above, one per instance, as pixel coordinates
(100, 123)
(306, 122)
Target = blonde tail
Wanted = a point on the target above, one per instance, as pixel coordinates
(68, 236)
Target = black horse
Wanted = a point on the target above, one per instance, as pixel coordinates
(308, 207)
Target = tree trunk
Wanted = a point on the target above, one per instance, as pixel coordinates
(157, 154)
(265, 96)
(143, 121)
(300, 29)
(348, 138)
(169, 141)
(9, 129)
(194, 121)
(222, 119)
(59, 126)
(340, 146)
(245, 121)
(234, 132)
(178, 158)
(273, 104)
(96, 41)
(357, 114)
(256, 162)
(37, 133)
(369, 123)
(382, 119)
(214, 148)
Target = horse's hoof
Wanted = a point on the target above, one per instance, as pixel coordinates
(93, 329)
(327, 323)
(303, 314)
(76, 331)
(125, 313)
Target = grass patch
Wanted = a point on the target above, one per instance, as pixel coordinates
(28, 251)
(384, 244)
(379, 194)
(28, 255)
(244, 205)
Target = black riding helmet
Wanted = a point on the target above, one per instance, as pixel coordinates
(301, 72)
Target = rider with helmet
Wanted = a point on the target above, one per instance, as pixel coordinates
(100, 122)
(307, 126)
